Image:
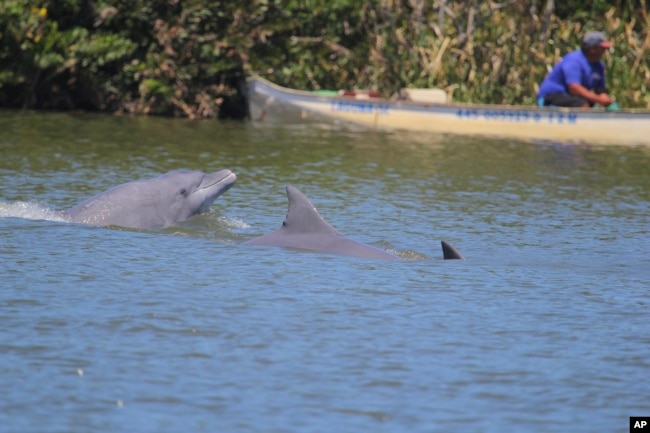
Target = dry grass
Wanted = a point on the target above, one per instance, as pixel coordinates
(491, 54)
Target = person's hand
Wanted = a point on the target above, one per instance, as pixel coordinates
(604, 99)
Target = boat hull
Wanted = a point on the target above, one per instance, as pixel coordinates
(270, 103)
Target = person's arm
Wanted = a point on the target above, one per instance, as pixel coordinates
(572, 70)
(579, 90)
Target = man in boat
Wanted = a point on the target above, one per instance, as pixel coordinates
(578, 79)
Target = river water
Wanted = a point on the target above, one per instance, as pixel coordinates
(544, 328)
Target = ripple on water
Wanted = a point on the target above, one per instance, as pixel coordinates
(542, 328)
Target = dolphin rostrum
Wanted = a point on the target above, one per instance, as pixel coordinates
(304, 228)
(154, 203)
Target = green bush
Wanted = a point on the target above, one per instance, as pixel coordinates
(189, 57)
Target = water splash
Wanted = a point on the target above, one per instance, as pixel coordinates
(234, 223)
(30, 210)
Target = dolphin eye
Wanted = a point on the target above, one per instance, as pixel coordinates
(183, 192)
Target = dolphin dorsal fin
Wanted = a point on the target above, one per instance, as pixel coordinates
(302, 216)
(449, 252)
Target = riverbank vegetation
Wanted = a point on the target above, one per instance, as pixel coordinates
(190, 57)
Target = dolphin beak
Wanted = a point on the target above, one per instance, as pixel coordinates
(222, 179)
(213, 185)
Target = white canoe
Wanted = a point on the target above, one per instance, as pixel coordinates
(271, 103)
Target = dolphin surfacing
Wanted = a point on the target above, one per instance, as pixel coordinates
(154, 203)
(304, 228)
(449, 252)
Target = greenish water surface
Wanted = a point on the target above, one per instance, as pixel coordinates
(543, 328)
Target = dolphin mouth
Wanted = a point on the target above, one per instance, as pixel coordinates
(223, 178)
(213, 185)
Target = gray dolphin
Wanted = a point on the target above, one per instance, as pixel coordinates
(304, 228)
(154, 203)
(449, 252)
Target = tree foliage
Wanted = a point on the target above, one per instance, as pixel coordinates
(189, 57)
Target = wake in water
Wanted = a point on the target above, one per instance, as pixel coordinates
(30, 210)
(234, 223)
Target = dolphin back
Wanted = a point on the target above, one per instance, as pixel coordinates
(305, 229)
(128, 205)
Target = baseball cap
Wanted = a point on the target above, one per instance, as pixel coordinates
(592, 39)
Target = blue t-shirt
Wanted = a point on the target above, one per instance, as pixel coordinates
(573, 68)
